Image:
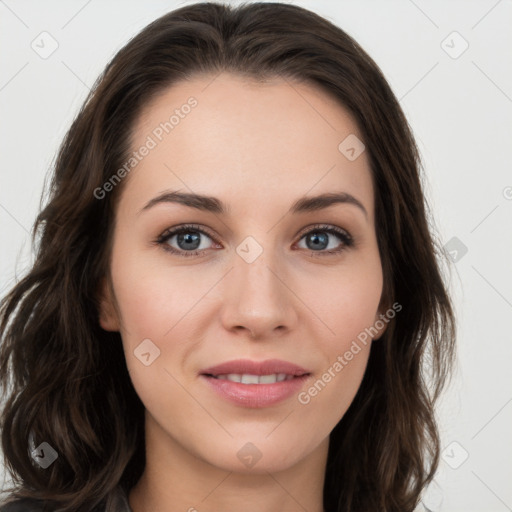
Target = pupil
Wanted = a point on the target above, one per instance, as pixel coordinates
(315, 237)
(187, 238)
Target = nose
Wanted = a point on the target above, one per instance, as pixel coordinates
(258, 299)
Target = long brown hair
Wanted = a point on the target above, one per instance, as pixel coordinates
(66, 379)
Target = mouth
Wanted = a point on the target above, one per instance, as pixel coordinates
(254, 384)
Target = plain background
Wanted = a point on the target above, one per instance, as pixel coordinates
(460, 109)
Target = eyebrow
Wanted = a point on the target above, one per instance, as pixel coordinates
(214, 205)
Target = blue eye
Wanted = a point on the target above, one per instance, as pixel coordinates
(188, 240)
(319, 238)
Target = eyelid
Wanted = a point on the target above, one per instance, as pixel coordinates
(183, 227)
(344, 235)
(323, 227)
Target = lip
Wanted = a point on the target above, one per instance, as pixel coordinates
(266, 367)
(255, 395)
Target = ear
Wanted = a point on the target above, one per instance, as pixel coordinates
(108, 316)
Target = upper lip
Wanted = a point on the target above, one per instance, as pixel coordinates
(247, 366)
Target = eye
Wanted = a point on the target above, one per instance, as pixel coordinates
(188, 239)
(323, 237)
(189, 243)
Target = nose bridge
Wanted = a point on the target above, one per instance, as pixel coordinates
(256, 284)
(256, 297)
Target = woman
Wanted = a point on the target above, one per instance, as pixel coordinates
(236, 300)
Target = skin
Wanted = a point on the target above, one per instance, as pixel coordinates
(258, 147)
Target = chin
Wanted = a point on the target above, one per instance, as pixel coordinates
(256, 454)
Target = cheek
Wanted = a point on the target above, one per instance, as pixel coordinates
(152, 301)
(158, 303)
(151, 296)
(350, 313)
(350, 310)
(348, 303)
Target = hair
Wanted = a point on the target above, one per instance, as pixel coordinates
(66, 378)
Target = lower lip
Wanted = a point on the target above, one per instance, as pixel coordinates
(256, 395)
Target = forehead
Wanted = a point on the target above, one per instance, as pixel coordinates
(247, 141)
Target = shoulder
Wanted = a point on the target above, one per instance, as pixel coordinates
(23, 505)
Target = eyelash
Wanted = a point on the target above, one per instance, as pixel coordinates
(343, 235)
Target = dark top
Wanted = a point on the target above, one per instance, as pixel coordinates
(118, 502)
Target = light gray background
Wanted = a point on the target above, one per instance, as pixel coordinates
(460, 110)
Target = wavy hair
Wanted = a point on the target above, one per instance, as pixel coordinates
(64, 379)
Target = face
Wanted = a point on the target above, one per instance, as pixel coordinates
(266, 278)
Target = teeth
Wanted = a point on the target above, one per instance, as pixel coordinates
(267, 379)
(247, 378)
